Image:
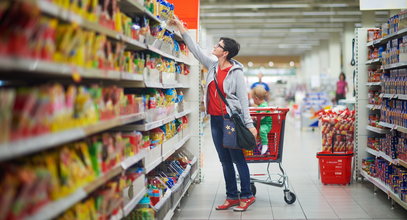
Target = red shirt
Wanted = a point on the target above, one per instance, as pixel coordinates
(216, 106)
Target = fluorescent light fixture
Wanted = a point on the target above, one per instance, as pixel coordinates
(317, 13)
(349, 13)
(253, 6)
(290, 6)
(300, 30)
(334, 5)
(344, 19)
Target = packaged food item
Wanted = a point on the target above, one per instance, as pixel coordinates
(337, 129)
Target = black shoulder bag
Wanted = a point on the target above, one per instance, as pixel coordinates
(235, 133)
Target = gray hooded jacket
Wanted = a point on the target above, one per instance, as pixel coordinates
(234, 84)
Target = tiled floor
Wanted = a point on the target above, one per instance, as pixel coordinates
(314, 200)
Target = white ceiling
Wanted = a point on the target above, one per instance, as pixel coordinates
(280, 27)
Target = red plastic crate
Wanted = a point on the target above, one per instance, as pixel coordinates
(335, 168)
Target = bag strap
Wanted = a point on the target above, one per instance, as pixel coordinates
(219, 92)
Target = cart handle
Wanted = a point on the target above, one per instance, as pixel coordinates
(284, 110)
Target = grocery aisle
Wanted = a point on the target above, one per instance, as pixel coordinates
(314, 200)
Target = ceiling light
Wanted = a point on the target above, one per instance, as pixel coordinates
(298, 30)
(271, 64)
(334, 5)
(292, 63)
(250, 64)
(311, 13)
(254, 6)
(349, 13)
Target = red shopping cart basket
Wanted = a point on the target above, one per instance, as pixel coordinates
(335, 168)
(274, 153)
(275, 136)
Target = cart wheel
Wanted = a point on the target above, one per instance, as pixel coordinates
(253, 189)
(289, 197)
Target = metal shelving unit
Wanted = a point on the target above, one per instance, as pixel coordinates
(188, 139)
(46, 141)
(374, 61)
(373, 107)
(377, 130)
(363, 130)
(379, 184)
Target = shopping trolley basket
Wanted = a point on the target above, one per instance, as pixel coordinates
(274, 153)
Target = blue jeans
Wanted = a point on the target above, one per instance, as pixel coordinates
(227, 157)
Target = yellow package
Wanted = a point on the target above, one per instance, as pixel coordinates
(52, 166)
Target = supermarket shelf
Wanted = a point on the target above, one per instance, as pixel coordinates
(386, 157)
(386, 38)
(169, 56)
(387, 125)
(182, 114)
(52, 68)
(127, 6)
(133, 160)
(162, 53)
(390, 36)
(373, 152)
(165, 86)
(151, 166)
(170, 213)
(53, 209)
(89, 188)
(158, 123)
(132, 204)
(395, 65)
(373, 107)
(133, 44)
(175, 147)
(393, 126)
(382, 155)
(371, 43)
(377, 130)
(54, 10)
(131, 76)
(194, 175)
(376, 182)
(374, 84)
(42, 142)
(374, 61)
(392, 96)
(379, 184)
(63, 70)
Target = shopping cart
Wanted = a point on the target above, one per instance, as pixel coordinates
(274, 153)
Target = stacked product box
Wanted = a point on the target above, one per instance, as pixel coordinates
(395, 177)
(395, 82)
(394, 111)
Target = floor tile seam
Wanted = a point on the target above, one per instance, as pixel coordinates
(363, 208)
(214, 200)
(329, 202)
(271, 205)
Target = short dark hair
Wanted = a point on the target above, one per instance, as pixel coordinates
(231, 46)
(342, 74)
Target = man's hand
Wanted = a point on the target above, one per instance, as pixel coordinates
(254, 131)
